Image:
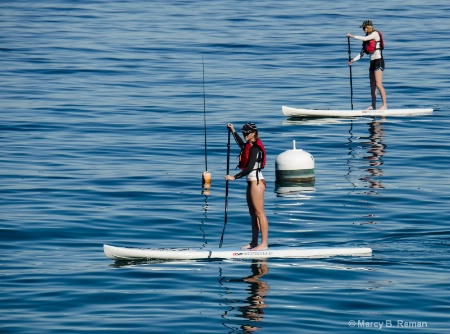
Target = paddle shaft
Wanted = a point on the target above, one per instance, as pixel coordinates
(350, 66)
(226, 189)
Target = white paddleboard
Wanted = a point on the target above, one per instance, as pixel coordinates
(295, 112)
(133, 253)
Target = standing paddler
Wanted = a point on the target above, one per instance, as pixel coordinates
(251, 161)
(373, 44)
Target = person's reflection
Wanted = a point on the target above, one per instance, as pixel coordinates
(257, 295)
(377, 149)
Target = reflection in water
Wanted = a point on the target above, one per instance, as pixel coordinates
(254, 304)
(376, 151)
(294, 189)
(258, 292)
(205, 216)
(351, 154)
(374, 143)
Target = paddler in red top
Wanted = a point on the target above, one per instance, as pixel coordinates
(373, 44)
(251, 161)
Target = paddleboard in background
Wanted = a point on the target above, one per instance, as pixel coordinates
(134, 253)
(295, 112)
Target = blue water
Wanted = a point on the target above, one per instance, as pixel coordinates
(101, 136)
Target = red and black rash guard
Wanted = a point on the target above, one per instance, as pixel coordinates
(255, 152)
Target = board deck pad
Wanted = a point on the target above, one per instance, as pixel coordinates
(134, 253)
(297, 112)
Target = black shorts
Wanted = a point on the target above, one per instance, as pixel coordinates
(376, 64)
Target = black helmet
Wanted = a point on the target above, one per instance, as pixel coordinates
(366, 23)
(249, 127)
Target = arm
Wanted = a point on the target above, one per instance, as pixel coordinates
(373, 35)
(358, 57)
(236, 136)
(363, 38)
(238, 139)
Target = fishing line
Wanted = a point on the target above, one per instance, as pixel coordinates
(206, 176)
(204, 114)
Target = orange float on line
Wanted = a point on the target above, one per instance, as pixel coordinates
(206, 179)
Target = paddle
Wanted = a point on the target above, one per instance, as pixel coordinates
(226, 188)
(350, 66)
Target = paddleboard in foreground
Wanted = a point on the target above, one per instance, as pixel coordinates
(134, 253)
(295, 112)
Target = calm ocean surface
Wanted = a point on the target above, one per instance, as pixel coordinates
(101, 136)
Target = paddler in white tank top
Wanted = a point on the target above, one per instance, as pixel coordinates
(376, 64)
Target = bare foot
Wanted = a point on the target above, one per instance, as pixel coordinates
(383, 107)
(369, 108)
(260, 247)
(248, 246)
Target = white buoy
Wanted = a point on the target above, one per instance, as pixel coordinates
(294, 168)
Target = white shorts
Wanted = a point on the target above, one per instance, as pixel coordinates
(252, 175)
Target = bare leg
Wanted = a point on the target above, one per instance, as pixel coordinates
(251, 244)
(260, 224)
(254, 220)
(378, 83)
(373, 91)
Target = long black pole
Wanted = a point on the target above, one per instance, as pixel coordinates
(204, 113)
(350, 66)
(226, 189)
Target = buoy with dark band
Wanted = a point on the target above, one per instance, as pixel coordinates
(294, 167)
